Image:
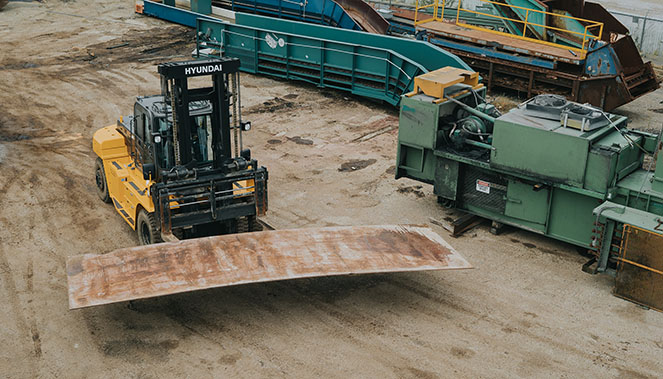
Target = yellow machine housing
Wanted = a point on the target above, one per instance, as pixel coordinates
(128, 190)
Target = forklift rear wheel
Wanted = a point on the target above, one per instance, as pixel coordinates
(100, 178)
(146, 228)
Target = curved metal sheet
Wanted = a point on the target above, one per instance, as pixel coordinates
(189, 265)
(365, 15)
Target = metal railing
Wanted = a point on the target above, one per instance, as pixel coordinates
(436, 7)
(527, 24)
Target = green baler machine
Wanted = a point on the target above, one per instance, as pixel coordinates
(566, 170)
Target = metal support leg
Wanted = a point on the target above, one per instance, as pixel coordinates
(606, 245)
(574, 91)
(530, 85)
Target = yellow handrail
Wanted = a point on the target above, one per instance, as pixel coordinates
(436, 8)
(586, 34)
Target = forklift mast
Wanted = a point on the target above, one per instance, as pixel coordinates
(221, 96)
(208, 190)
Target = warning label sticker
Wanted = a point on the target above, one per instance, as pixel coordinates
(483, 186)
(271, 41)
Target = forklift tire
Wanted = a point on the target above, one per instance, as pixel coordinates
(248, 224)
(100, 179)
(146, 228)
(254, 224)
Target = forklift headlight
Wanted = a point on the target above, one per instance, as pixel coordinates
(157, 139)
(246, 126)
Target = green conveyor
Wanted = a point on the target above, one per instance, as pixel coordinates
(369, 65)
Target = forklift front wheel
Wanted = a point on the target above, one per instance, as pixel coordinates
(100, 179)
(146, 228)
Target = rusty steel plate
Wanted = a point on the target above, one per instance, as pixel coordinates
(189, 265)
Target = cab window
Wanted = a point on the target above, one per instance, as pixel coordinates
(201, 140)
(139, 122)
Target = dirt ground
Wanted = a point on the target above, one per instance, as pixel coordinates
(526, 310)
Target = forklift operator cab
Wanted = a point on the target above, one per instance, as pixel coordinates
(153, 127)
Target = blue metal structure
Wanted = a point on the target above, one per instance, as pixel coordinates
(172, 14)
(363, 70)
(323, 12)
(492, 53)
(427, 55)
(370, 65)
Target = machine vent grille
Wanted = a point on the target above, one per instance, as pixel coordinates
(546, 106)
(493, 198)
(583, 117)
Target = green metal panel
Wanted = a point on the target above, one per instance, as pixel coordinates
(417, 123)
(627, 215)
(423, 53)
(492, 215)
(446, 178)
(600, 169)
(629, 157)
(637, 191)
(367, 71)
(201, 6)
(657, 180)
(418, 136)
(574, 171)
(571, 217)
(415, 162)
(525, 203)
(539, 152)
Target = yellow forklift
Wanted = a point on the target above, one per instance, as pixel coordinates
(176, 168)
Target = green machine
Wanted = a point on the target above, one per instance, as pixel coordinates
(566, 170)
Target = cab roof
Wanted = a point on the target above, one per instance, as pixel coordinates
(159, 108)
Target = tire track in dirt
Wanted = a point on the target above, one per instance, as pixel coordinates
(542, 333)
(19, 315)
(141, 46)
(30, 159)
(24, 310)
(335, 319)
